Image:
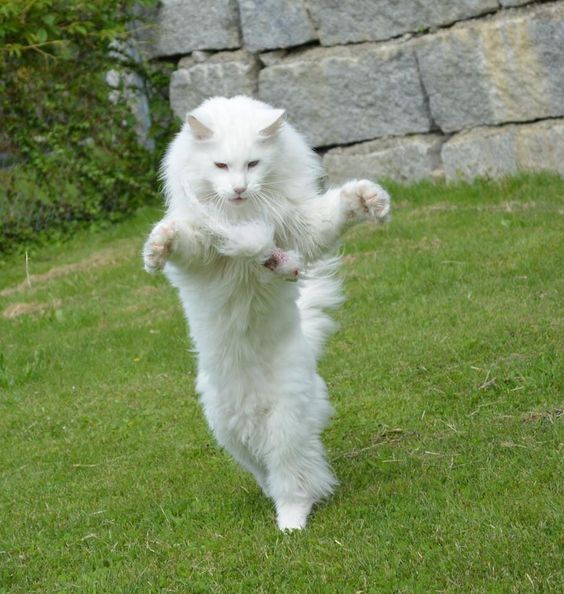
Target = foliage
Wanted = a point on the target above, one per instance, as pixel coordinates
(76, 153)
(446, 376)
(56, 27)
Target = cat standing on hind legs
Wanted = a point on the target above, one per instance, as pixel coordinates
(244, 215)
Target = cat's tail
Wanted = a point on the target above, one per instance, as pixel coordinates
(320, 289)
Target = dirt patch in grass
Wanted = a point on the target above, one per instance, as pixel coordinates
(147, 291)
(508, 206)
(423, 244)
(106, 257)
(435, 208)
(545, 415)
(386, 436)
(16, 310)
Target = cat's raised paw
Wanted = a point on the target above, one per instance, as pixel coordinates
(287, 264)
(159, 246)
(366, 199)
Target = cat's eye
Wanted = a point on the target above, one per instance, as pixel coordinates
(221, 165)
(252, 164)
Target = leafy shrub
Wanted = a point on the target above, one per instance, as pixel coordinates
(77, 156)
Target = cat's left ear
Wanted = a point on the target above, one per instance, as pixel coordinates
(277, 117)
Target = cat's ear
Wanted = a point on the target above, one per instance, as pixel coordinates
(277, 117)
(199, 130)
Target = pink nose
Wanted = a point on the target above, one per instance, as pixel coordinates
(239, 190)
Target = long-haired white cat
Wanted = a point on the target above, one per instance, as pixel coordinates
(244, 217)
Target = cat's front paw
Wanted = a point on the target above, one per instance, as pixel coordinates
(286, 264)
(366, 199)
(159, 246)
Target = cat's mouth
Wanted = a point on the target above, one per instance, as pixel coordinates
(238, 199)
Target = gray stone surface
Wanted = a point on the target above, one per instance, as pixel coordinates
(273, 57)
(271, 24)
(482, 69)
(186, 25)
(510, 3)
(225, 73)
(200, 55)
(405, 159)
(129, 87)
(349, 94)
(505, 150)
(505, 69)
(541, 146)
(345, 21)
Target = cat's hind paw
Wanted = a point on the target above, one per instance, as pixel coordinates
(366, 199)
(286, 264)
(292, 516)
(159, 246)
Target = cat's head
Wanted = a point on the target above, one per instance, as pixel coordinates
(234, 150)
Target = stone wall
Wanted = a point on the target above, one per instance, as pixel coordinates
(413, 88)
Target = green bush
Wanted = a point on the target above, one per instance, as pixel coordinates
(76, 153)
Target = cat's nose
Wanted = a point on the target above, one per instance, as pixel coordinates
(239, 190)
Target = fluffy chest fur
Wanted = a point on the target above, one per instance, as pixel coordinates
(241, 323)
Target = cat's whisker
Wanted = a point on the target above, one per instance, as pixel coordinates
(269, 182)
(267, 201)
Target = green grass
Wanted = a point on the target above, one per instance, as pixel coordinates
(446, 377)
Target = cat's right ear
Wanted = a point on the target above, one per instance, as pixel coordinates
(199, 130)
(277, 117)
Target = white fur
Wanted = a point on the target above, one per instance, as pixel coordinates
(257, 336)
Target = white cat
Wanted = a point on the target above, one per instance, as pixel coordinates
(244, 215)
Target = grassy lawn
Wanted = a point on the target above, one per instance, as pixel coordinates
(447, 378)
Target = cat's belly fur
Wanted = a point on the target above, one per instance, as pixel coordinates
(254, 364)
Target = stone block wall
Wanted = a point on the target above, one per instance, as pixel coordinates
(406, 89)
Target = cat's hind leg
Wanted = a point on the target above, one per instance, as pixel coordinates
(298, 472)
(241, 454)
(297, 479)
